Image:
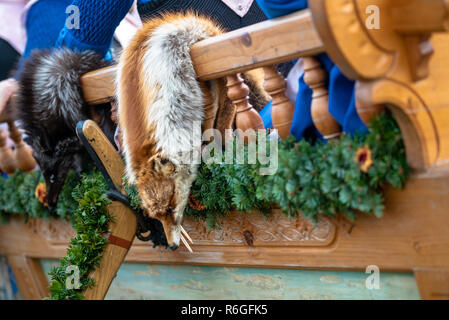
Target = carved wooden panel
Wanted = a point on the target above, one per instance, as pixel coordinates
(278, 230)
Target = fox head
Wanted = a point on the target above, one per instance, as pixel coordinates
(164, 188)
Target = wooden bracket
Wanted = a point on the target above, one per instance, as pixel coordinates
(125, 225)
(420, 51)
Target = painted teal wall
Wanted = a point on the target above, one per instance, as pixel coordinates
(143, 281)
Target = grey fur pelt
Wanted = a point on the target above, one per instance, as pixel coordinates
(50, 104)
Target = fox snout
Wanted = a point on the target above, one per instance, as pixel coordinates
(173, 235)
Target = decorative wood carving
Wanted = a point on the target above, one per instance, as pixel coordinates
(359, 48)
(419, 50)
(366, 110)
(395, 66)
(315, 76)
(282, 108)
(278, 230)
(420, 16)
(421, 243)
(246, 117)
(23, 153)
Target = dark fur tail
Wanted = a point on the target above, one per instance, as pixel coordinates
(50, 104)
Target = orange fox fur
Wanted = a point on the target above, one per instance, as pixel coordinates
(159, 97)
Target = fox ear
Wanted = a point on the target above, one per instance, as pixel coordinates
(162, 165)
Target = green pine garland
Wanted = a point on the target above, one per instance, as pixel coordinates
(17, 197)
(90, 221)
(313, 178)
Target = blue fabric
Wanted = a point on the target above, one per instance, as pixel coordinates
(265, 114)
(277, 8)
(98, 21)
(12, 281)
(341, 89)
(302, 124)
(44, 21)
(46, 25)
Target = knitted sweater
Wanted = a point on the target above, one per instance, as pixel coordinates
(46, 24)
(215, 9)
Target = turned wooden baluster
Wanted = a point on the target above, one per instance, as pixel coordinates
(210, 107)
(23, 153)
(7, 159)
(282, 108)
(246, 117)
(315, 76)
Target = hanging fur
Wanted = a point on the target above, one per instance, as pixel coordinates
(160, 102)
(50, 104)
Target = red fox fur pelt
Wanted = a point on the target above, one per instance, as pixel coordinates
(160, 100)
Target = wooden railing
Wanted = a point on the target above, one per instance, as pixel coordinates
(399, 66)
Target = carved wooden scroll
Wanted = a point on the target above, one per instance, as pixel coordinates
(398, 65)
(366, 110)
(282, 108)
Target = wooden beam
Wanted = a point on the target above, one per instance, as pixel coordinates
(98, 86)
(30, 276)
(261, 44)
(433, 284)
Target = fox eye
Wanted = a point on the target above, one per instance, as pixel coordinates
(164, 161)
(170, 209)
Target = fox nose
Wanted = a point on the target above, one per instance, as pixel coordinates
(174, 247)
